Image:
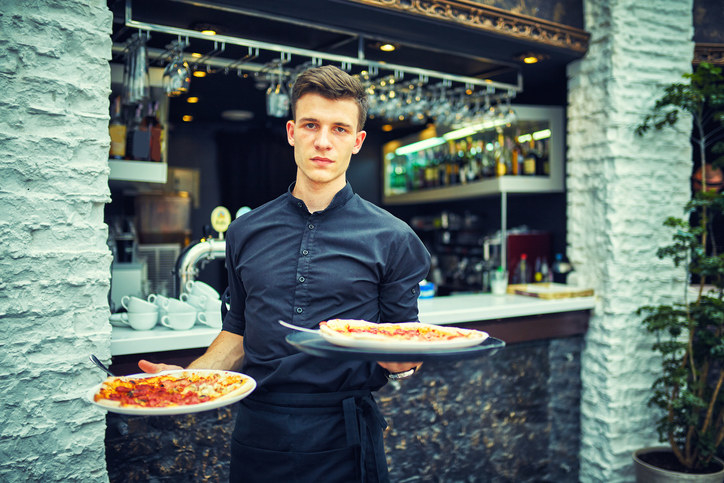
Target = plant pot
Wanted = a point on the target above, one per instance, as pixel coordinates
(646, 472)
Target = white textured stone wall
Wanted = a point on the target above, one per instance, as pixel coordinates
(54, 261)
(620, 189)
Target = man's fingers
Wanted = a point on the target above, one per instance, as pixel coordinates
(152, 367)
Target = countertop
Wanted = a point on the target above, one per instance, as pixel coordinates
(454, 309)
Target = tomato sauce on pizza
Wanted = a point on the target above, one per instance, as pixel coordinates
(405, 331)
(180, 388)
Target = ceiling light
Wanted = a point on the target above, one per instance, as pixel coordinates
(387, 47)
(206, 28)
(187, 118)
(387, 127)
(196, 55)
(531, 57)
(199, 73)
(192, 100)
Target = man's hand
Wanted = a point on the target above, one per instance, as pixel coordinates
(394, 367)
(152, 367)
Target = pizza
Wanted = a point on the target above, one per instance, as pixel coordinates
(361, 333)
(172, 389)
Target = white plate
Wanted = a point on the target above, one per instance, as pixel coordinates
(170, 410)
(374, 342)
(117, 320)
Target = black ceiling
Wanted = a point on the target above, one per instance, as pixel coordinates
(335, 27)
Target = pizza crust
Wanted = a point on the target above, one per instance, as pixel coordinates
(109, 403)
(355, 329)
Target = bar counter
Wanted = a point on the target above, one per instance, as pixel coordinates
(512, 415)
(484, 311)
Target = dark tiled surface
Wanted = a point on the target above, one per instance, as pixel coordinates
(510, 417)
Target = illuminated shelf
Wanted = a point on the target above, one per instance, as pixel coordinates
(143, 171)
(553, 183)
(487, 187)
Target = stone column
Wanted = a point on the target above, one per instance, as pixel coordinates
(54, 261)
(620, 189)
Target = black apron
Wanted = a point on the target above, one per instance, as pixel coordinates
(308, 438)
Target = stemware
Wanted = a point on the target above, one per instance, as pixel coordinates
(177, 76)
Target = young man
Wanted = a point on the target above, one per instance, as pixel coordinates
(318, 252)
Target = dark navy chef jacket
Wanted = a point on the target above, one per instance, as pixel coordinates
(352, 260)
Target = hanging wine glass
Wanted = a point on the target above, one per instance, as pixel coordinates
(277, 99)
(511, 116)
(177, 76)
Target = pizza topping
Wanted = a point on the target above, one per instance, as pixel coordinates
(164, 390)
(407, 331)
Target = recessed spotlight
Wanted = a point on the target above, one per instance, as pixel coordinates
(196, 55)
(187, 118)
(531, 57)
(387, 127)
(206, 28)
(199, 73)
(192, 100)
(385, 46)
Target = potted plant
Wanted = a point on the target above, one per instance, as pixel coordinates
(690, 334)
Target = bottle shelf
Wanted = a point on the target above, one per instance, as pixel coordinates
(545, 117)
(482, 188)
(142, 171)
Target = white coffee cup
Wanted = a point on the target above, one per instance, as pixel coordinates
(198, 301)
(177, 306)
(179, 320)
(196, 287)
(213, 305)
(135, 304)
(158, 300)
(139, 320)
(210, 318)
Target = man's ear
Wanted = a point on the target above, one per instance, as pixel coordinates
(360, 138)
(290, 132)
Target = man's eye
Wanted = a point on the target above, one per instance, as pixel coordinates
(310, 125)
(341, 129)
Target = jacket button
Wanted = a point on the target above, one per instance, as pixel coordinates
(300, 310)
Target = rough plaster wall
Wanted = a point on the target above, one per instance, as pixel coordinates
(620, 190)
(54, 261)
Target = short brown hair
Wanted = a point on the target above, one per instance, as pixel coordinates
(333, 83)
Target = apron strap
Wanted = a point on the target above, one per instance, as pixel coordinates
(364, 424)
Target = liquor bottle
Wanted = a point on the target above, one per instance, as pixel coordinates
(521, 271)
(156, 129)
(117, 132)
(543, 167)
(516, 158)
(530, 162)
(501, 166)
(546, 272)
(561, 268)
(138, 138)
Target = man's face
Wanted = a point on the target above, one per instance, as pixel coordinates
(324, 135)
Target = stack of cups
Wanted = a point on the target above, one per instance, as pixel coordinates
(140, 314)
(206, 300)
(174, 313)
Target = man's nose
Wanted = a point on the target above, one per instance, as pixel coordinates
(322, 141)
